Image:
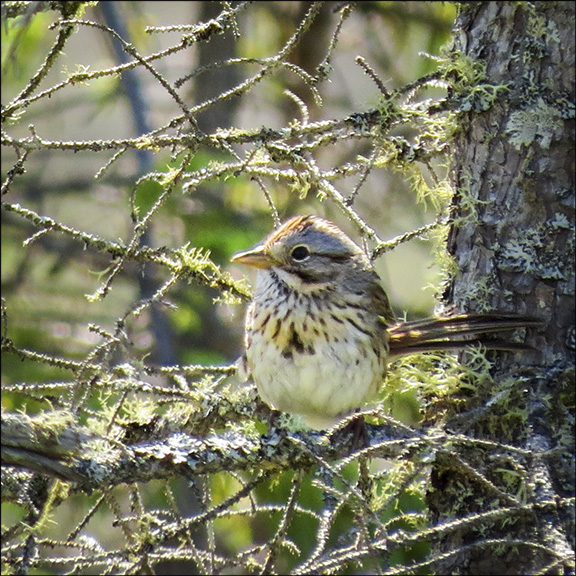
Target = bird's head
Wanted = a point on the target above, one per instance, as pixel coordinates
(307, 253)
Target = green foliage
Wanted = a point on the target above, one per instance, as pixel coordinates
(121, 316)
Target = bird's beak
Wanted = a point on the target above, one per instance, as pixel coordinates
(256, 257)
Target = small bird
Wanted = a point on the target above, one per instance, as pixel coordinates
(320, 330)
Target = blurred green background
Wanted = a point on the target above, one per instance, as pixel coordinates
(45, 283)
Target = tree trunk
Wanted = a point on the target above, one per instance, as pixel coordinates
(513, 241)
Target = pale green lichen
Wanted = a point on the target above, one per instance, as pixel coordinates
(540, 31)
(482, 291)
(541, 26)
(538, 123)
(446, 263)
(482, 97)
(461, 71)
(531, 251)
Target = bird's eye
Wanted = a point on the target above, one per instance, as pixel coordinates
(300, 253)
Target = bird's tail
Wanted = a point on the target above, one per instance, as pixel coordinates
(457, 332)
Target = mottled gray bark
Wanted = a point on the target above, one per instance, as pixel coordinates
(513, 241)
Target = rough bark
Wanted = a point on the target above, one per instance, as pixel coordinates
(513, 241)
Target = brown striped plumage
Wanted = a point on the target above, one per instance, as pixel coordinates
(320, 329)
